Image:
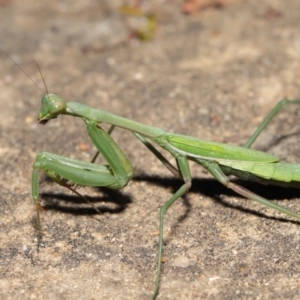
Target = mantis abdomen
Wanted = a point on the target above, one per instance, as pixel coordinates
(278, 173)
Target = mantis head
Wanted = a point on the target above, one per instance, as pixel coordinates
(52, 106)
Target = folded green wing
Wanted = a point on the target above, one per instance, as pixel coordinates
(193, 147)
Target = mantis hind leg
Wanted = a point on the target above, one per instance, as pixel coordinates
(267, 120)
(215, 170)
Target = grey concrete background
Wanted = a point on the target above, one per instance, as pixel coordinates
(214, 75)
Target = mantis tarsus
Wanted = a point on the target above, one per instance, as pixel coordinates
(217, 158)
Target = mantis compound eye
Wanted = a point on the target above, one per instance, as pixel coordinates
(52, 106)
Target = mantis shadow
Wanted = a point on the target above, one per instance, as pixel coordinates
(278, 140)
(115, 201)
(112, 201)
(214, 190)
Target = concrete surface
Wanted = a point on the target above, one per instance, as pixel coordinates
(214, 75)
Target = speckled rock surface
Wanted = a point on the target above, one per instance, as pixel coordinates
(213, 75)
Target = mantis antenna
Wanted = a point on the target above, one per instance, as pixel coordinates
(27, 73)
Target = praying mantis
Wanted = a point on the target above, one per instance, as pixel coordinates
(220, 160)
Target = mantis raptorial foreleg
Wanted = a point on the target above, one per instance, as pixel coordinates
(109, 131)
(71, 173)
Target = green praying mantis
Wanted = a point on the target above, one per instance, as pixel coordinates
(220, 160)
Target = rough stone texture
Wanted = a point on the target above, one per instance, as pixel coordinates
(213, 75)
